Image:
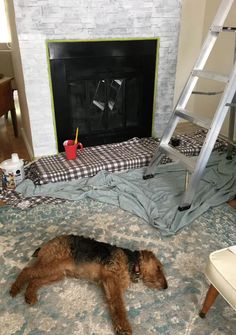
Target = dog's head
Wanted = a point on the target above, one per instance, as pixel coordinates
(151, 271)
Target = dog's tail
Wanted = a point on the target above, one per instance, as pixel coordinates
(35, 254)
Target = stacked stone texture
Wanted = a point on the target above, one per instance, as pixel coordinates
(41, 20)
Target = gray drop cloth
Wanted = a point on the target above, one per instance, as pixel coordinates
(155, 200)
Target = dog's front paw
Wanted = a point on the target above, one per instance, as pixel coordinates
(121, 330)
(31, 298)
(15, 289)
(124, 332)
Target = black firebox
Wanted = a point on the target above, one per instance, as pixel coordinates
(105, 88)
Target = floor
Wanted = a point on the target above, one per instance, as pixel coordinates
(78, 307)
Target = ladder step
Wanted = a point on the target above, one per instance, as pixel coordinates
(210, 75)
(218, 29)
(207, 93)
(229, 29)
(202, 122)
(174, 154)
(233, 104)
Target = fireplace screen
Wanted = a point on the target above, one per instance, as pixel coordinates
(105, 91)
(104, 105)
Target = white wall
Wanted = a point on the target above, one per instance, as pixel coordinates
(190, 40)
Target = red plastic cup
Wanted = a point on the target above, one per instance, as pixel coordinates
(71, 149)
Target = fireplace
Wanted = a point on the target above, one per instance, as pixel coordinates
(105, 88)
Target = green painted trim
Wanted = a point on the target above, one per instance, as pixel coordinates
(155, 88)
(51, 96)
(105, 39)
(101, 40)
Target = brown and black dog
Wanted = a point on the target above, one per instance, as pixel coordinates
(112, 267)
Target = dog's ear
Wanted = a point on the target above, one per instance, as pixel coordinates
(146, 254)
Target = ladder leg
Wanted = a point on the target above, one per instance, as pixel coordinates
(231, 131)
(156, 158)
(201, 164)
(158, 155)
(209, 142)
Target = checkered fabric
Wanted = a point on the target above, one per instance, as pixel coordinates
(191, 144)
(127, 155)
(131, 154)
(14, 199)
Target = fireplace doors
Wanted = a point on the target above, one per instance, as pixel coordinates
(104, 88)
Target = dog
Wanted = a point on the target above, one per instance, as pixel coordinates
(112, 267)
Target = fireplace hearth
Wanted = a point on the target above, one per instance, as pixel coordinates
(105, 88)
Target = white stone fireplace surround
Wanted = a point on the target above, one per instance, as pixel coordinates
(38, 21)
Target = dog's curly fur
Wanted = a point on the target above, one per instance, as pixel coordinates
(112, 267)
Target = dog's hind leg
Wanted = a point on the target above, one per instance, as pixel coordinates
(25, 275)
(35, 284)
(49, 273)
(116, 305)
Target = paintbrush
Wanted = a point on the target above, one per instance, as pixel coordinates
(76, 136)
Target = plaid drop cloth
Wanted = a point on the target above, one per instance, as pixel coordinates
(131, 154)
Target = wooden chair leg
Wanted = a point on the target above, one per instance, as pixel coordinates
(6, 116)
(209, 300)
(14, 121)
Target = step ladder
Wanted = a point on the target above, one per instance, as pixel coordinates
(196, 166)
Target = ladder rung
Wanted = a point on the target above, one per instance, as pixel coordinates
(202, 122)
(210, 75)
(189, 163)
(232, 142)
(218, 29)
(207, 93)
(231, 104)
(229, 29)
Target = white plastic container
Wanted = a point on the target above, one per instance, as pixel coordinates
(13, 171)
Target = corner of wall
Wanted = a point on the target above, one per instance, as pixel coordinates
(19, 79)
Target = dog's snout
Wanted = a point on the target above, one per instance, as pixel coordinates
(164, 283)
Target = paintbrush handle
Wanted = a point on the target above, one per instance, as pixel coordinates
(76, 136)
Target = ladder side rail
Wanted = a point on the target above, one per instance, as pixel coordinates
(206, 49)
(187, 90)
(170, 128)
(209, 43)
(232, 119)
(156, 159)
(199, 64)
(211, 138)
(231, 131)
(222, 12)
(219, 19)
